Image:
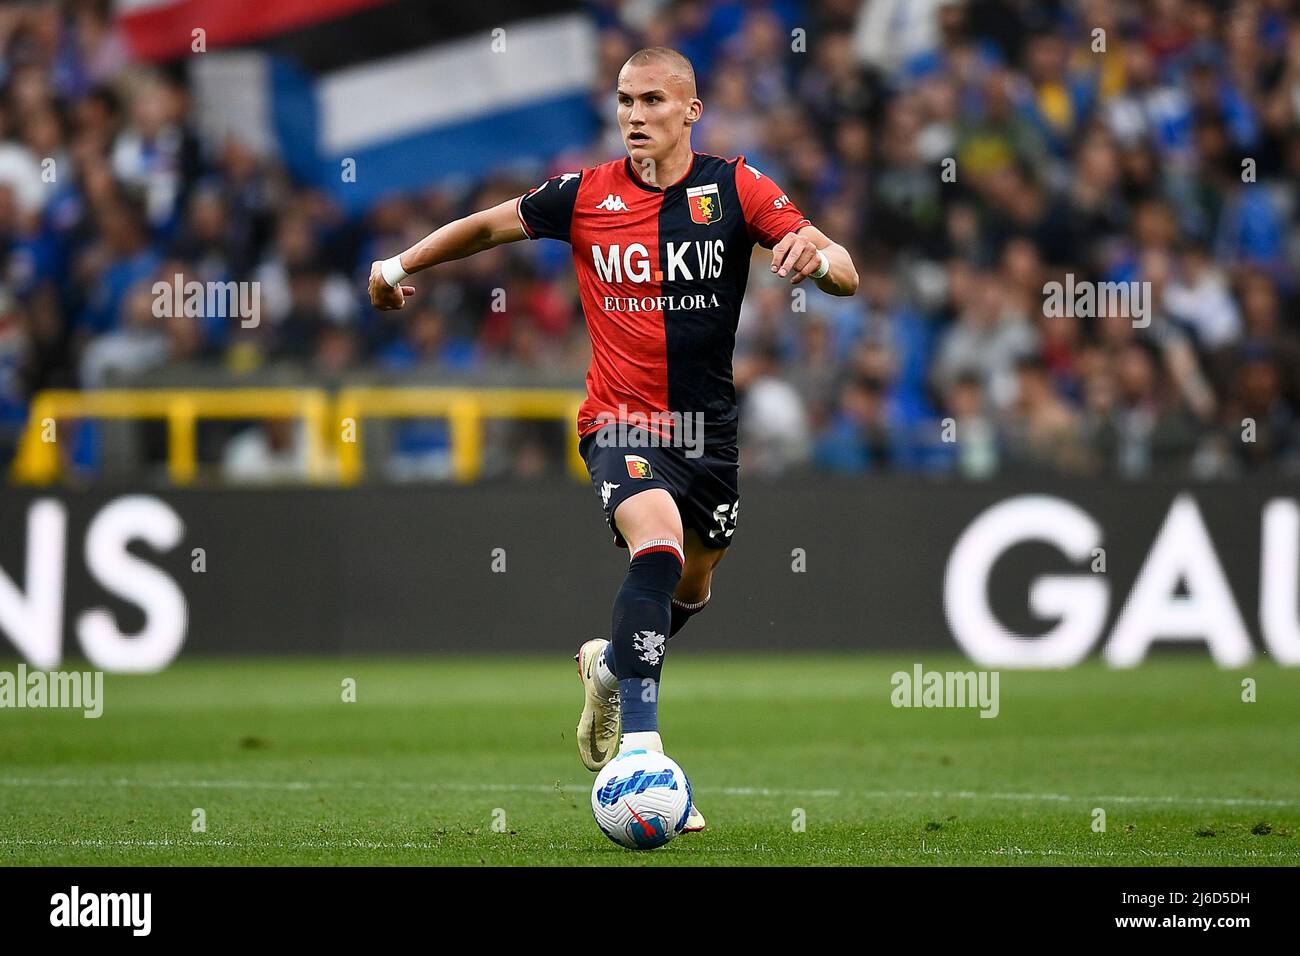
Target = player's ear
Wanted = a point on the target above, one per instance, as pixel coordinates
(694, 110)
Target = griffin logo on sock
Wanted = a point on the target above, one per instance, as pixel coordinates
(637, 467)
(639, 782)
(651, 646)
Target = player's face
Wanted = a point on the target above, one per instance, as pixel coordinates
(655, 111)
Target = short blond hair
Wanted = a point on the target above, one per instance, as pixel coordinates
(678, 64)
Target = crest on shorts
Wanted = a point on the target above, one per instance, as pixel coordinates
(637, 467)
(705, 202)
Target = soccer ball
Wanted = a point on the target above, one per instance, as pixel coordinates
(641, 799)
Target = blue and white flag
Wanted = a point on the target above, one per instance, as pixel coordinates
(365, 101)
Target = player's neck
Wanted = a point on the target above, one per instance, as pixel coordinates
(673, 167)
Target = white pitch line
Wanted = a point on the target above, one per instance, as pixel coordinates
(222, 844)
(1066, 798)
(1110, 854)
(290, 785)
(367, 785)
(883, 851)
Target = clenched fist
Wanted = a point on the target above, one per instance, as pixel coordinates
(384, 296)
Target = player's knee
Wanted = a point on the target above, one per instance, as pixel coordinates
(651, 536)
(697, 577)
(651, 515)
(665, 552)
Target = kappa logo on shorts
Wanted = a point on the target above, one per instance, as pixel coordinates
(637, 467)
(605, 489)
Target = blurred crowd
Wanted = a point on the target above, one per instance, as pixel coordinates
(968, 152)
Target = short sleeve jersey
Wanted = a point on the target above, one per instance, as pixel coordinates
(661, 275)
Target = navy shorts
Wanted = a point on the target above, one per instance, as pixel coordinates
(706, 488)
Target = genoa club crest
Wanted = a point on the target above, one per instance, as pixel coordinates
(637, 467)
(706, 204)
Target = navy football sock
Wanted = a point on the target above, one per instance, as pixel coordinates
(642, 620)
(638, 702)
(681, 614)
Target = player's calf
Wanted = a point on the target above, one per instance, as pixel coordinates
(642, 620)
(696, 586)
(690, 597)
(683, 611)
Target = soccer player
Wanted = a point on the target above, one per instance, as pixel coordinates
(662, 240)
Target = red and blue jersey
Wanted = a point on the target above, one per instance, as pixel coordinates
(661, 275)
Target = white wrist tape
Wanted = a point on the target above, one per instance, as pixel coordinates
(392, 271)
(824, 268)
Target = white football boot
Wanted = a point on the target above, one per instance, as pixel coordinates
(598, 728)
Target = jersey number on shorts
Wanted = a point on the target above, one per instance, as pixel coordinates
(725, 515)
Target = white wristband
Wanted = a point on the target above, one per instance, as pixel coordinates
(823, 269)
(392, 271)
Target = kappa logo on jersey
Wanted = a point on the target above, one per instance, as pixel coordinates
(706, 203)
(563, 181)
(637, 467)
(612, 203)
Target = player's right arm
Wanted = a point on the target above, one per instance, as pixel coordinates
(456, 240)
(542, 212)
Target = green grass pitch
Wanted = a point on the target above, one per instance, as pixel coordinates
(447, 760)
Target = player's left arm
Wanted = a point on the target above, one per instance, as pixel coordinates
(799, 249)
(796, 257)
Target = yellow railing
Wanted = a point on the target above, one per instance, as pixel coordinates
(465, 411)
(341, 420)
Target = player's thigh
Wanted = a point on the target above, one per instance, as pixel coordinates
(697, 575)
(649, 515)
(621, 475)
